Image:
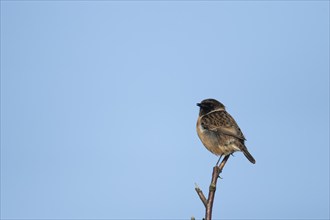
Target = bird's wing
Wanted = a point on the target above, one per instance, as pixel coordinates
(222, 122)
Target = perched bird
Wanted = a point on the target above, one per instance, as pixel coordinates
(218, 130)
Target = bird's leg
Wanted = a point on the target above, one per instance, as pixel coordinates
(222, 164)
(217, 165)
(219, 160)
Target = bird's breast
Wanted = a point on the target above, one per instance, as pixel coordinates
(208, 138)
(216, 143)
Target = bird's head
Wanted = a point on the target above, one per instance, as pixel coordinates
(208, 105)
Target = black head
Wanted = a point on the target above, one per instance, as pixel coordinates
(208, 105)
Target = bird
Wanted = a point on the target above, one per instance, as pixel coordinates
(218, 131)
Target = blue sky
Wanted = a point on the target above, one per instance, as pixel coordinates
(98, 108)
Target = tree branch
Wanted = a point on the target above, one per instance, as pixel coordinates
(201, 195)
(209, 202)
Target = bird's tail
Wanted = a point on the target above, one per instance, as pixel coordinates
(248, 155)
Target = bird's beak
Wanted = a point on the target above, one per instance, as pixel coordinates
(199, 104)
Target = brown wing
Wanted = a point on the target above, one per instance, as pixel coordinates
(222, 122)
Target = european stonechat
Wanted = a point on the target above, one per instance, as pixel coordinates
(218, 130)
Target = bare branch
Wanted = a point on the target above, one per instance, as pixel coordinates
(201, 195)
(215, 175)
(208, 203)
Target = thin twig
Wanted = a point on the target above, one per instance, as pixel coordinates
(208, 203)
(201, 195)
(215, 175)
